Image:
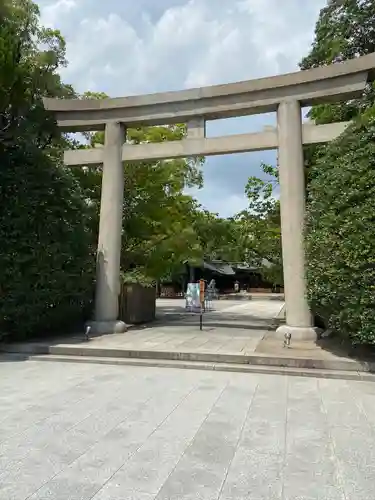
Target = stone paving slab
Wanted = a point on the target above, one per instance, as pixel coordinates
(96, 432)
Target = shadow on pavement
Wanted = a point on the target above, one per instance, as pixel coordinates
(11, 358)
(343, 349)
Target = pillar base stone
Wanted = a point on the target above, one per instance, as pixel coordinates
(298, 332)
(105, 327)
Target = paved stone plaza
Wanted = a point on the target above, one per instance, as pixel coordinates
(234, 327)
(82, 431)
(234, 332)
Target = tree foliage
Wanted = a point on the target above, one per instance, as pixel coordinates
(340, 242)
(345, 30)
(260, 225)
(46, 264)
(158, 217)
(28, 72)
(219, 238)
(338, 237)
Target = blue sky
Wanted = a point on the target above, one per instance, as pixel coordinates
(127, 47)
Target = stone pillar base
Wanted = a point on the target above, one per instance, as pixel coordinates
(298, 332)
(104, 327)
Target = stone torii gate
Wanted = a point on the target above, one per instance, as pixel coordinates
(285, 94)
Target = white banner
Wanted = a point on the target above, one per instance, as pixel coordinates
(193, 296)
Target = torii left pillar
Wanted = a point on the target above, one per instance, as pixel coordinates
(110, 228)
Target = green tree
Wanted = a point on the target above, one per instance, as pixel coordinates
(218, 237)
(27, 74)
(46, 249)
(345, 29)
(339, 239)
(260, 226)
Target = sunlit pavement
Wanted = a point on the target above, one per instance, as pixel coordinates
(81, 431)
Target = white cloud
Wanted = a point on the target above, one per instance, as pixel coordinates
(91, 65)
(125, 47)
(197, 43)
(51, 13)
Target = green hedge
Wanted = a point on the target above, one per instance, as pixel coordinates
(340, 235)
(46, 248)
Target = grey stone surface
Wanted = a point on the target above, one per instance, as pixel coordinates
(257, 467)
(101, 432)
(201, 471)
(233, 329)
(236, 143)
(314, 86)
(235, 333)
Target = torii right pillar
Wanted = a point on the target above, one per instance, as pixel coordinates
(299, 321)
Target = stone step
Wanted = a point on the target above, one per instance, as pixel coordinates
(255, 359)
(196, 365)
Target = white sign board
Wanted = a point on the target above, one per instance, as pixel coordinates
(192, 296)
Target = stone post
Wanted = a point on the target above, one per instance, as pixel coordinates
(292, 206)
(110, 229)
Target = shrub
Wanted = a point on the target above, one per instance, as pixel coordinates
(46, 248)
(340, 238)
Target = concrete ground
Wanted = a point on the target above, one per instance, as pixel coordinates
(239, 332)
(259, 308)
(231, 328)
(81, 431)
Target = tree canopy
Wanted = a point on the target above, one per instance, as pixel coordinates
(46, 249)
(345, 29)
(260, 225)
(219, 238)
(340, 190)
(340, 242)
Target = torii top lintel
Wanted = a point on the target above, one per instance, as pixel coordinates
(339, 81)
